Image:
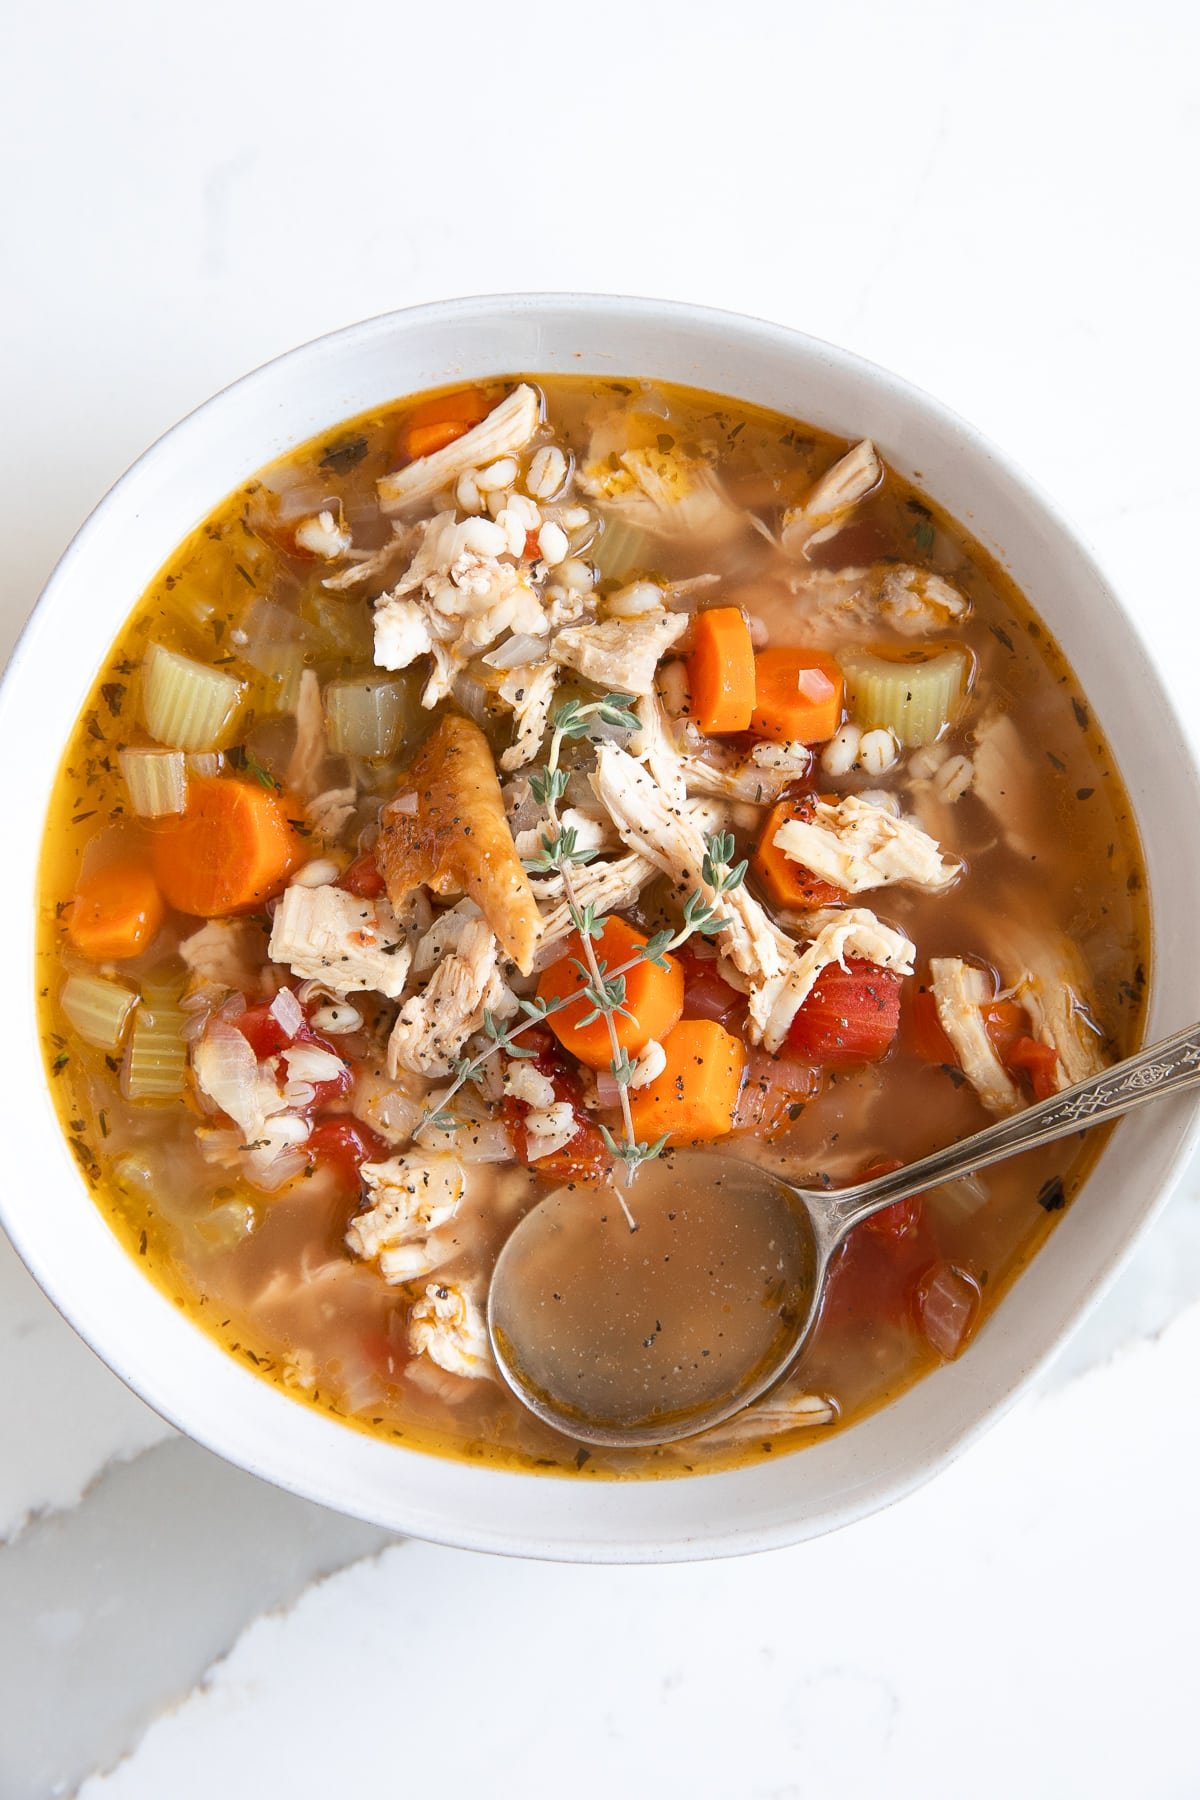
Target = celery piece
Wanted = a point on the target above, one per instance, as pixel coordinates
(97, 1009)
(156, 1058)
(187, 704)
(367, 717)
(918, 700)
(156, 780)
(620, 549)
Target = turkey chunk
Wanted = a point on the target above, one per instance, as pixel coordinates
(529, 690)
(447, 1325)
(607, 886)
(660, 827)
(352, 945)
(432, 1027)
(620, 654)
(455, 599)
(507, 429)
(661, 491)
(1050, 980)
(917, 600)
(447, 829)
(821, 514)
(1006, 782)
(409, 1197)
(960, 992)
(857, 846)
(228, 952)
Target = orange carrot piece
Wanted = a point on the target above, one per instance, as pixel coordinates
(653, 996)
(789, 883)
(438, 422)
(232, 850)
(116, 912)
(798, 696)
(694, 1098)
(721, 671)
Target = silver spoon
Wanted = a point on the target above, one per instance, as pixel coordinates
(639, 1338)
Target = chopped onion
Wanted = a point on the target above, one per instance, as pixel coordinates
(406, 803)
(204, 763)
(608, 1089)
(814, 685)
(472, 696)
(485, 1142)
(366, 717)
(948, 1303)
(287, 1012)
(518, 649)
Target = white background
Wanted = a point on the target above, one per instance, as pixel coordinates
(999, 203)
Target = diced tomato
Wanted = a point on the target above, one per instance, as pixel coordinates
(851, 1016)
(706, 993)
(363, 877)
(343, 1144)
(585, 1157)
(267, 1037)
(1005, 1022)
(873, 1278)
(925, 1033)
(946, 1304)
(1039, 1062)
(262, 1031)
(533, 549)
(900, 1220)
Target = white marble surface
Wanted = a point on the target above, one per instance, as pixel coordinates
(999, 204)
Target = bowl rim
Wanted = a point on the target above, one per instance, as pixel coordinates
(316, 1483)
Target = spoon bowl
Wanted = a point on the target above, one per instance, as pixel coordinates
(635, 1338)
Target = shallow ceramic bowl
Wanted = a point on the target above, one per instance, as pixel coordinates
(182, 1373)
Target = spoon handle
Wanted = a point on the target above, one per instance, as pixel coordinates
(1168, 1067)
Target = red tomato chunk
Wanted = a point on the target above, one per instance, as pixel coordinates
(851, 1016)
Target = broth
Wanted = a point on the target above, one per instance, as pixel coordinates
(1019, 785)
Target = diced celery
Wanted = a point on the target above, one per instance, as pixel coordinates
(622, 548)
(279, 668)
(157, 781)
(918, 700)
(204, 763)
(367, 717)
(98, 1009)
(187, 704)
(156, 1059)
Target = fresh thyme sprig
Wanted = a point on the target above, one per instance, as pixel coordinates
(560, 853)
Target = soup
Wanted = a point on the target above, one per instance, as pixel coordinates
(520, 783)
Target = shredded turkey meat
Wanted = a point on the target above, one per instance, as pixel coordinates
(433, 1026)
(447, 1325)
(857, 846)
(409, 1197)
(960, 992)
(620, 654)
(840, 489)
(507, 428)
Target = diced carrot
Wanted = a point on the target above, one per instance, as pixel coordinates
(929, 1040)
(721, 671)
(1038, 1061)
(438, 422)
(850, 1016)
(653, 996)
(695, 1097)
(116, 912)
(789, 883)
(232, 850)
(797, 696)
